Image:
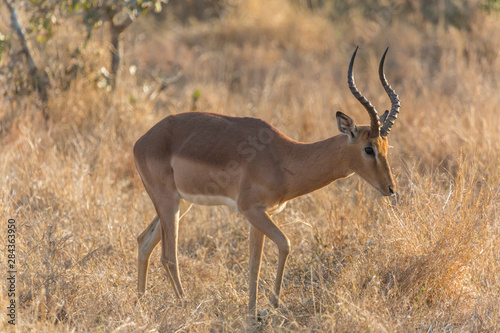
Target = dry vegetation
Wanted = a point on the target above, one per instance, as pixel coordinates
(430, 263)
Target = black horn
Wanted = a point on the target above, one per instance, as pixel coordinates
(395, 102)
(374, 119)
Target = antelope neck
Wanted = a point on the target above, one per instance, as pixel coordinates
(311, 166)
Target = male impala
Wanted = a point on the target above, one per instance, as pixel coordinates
(248, 164)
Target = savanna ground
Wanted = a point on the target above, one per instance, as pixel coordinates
(358, 263)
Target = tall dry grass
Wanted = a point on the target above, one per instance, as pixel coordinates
(358, 263)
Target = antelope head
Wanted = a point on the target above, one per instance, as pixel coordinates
(367, 145)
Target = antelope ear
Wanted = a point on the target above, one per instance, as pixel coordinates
(384, 117)
(346, 125)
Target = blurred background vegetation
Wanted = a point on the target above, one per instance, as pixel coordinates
(357, 21)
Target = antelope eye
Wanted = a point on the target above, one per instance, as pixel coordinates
(369, 151)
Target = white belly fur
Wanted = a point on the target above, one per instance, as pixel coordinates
(219, 200)
(208, 200)
(278, 209)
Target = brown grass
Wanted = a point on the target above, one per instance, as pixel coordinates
(358, 263)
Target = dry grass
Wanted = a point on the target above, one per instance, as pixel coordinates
(429, 263)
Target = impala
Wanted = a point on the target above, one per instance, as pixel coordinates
(246, 163)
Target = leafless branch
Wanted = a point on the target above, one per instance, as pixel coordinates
(39, 78)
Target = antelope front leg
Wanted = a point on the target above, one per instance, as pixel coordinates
(169, 220)
(147, 241)
(261, 221)
(256, 245)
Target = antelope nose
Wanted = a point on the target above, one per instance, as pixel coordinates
(394, 197)
(391, 190)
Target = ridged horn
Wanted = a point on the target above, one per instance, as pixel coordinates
(395, 102)
(375, 123)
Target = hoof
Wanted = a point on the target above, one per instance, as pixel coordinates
(262, 316)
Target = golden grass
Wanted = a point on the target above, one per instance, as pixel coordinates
(430, 263)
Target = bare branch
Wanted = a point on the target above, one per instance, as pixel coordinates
(39, 77)
(21, 33)
(116, 31)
